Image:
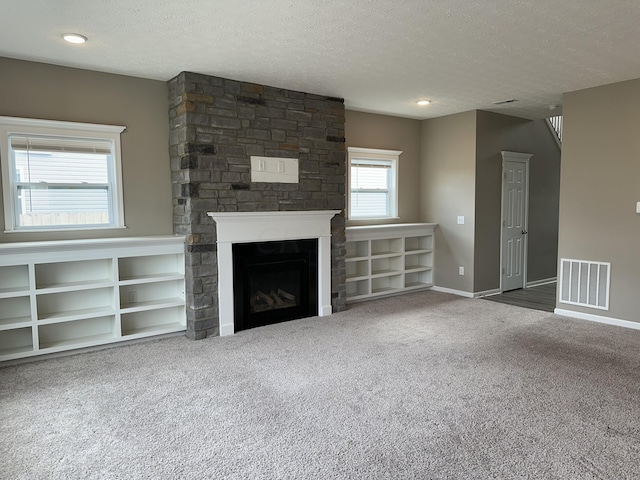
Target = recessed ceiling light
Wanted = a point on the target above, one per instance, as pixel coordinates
(423, 102)
(74, 38)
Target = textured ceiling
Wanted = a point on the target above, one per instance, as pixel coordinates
(379, 55)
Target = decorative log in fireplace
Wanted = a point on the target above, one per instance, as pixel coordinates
(274, 282)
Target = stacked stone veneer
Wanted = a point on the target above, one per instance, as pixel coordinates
(216, 126)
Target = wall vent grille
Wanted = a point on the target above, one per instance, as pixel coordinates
(585, 283)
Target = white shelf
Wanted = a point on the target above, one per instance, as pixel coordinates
(416, 285)
(152, 278)
(152, 305)
(16, 352)
(74, 286)
(14, 292)
(388, 259)
(418, 269)
(384, 290)
(73, 315)
(385, 253)
(164, 320)
(77, 293)
(154, 330)
(13, 323)
(79, 342)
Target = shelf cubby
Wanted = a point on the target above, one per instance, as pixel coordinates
(79, 333)
(418, 243)
(16, 343)
(150, 267)
(71, 275)
(13, 279)
(145, 295)
(357, 268)
(71, 305)
(357, 249)
(386, 284)
(14, 312)
(358, 288)
(380, 266)
(418, 279)
(417, 260)
(386, 246)
(141, 323)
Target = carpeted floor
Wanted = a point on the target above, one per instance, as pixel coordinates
(421, 386)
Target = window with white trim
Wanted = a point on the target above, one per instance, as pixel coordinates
(373, 183)
(60, 175)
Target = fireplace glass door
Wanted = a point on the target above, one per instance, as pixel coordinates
(274, 282)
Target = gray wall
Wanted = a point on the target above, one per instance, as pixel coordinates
(447, 189)
(496, 132)
(461, 174)
(36, 90)
(600, 187)
(368, 130)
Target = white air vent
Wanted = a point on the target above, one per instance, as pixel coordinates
(585, 283)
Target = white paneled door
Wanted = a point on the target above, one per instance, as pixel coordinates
(515, 195)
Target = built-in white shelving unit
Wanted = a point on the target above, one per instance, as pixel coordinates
(388, 259)
(57, 296)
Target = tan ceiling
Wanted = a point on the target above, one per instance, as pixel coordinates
(379, 55)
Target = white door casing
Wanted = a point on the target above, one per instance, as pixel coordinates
(515, 207)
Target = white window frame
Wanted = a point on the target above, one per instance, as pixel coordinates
(393, 156)
(28, 126)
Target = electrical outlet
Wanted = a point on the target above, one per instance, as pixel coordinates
(133, 296)
(460, 270)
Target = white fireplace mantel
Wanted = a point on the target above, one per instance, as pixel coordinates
(247, 227)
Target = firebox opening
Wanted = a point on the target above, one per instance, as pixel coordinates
(274, 282)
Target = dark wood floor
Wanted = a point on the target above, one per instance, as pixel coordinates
(542, 297)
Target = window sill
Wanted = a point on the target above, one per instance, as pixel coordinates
(368, 219)
(79, 229)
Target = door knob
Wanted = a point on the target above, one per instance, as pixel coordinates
(524, 232)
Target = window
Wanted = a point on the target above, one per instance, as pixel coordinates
(372, 188)
(60, 175)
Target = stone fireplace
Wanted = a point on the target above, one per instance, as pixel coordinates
(217, 125)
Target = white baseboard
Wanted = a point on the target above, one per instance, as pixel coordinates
(597, 318)
(486, 293)
(460, 293)
(544, 281)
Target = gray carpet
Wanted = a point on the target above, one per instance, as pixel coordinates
(426, 385)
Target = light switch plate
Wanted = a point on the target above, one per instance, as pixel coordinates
(638, 207)
(460, 219)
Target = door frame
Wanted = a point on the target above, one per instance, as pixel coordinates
(521, 158)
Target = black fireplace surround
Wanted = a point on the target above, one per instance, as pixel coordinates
(274, 282)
